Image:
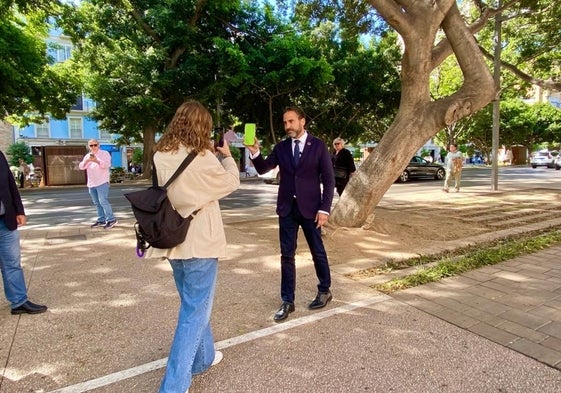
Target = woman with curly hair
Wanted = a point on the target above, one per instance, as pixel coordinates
(195, 261)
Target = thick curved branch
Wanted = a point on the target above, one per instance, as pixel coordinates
(548, 84)
(174, 58)
(478, 88)
(197, 13)
(137, 16)
(442, 50)
(393, 14)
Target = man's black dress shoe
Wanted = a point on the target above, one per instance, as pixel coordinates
(29, 308)
(321, 300)
(285, 309)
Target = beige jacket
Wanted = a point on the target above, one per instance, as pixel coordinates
(200, 186)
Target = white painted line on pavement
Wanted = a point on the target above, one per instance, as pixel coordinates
(157, 364)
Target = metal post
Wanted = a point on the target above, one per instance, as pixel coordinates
(497, 102)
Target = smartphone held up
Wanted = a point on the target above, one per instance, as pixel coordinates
(249, 134)
(218, 136)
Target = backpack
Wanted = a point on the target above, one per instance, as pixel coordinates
(158, 224)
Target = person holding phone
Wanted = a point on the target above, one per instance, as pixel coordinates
(305, 166)
(97, 164)
(195, 261)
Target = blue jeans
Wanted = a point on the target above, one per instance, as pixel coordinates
(100, 198)
(192, 350)
(10, 264)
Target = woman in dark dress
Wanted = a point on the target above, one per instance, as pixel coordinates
(343, 165)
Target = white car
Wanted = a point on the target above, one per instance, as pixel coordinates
(543, 158)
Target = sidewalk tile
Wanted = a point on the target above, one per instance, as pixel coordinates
(546, 312)
(526, 300)
(505, 289)
(525, 319)
(456, 318)
(419, 303)
(486, 292)
(533, 274)
(511, 276)
(452, 304)
(522, 331)
(478, 276)
(537, 351)
(483, 304)
(553, 329)
(554, 303)
(553, 343)
(483, 316)
(494, 334)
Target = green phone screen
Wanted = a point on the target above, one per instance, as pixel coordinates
(249, 134)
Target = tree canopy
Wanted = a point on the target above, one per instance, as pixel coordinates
(394, 71)
(420, 24)
(31, 85)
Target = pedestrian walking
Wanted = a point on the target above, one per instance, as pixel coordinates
(195, 261)
(454, 163)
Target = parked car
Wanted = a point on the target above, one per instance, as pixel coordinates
(543, 158)
(418, 167)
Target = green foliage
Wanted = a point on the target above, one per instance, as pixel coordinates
(17, 151)
(447, 267)
(521, 124)
(117, 174)
(337, 59)
(137, 155)
(141, 63)
(31, 87)
(364, 96)
(236, 153)
(273, 67)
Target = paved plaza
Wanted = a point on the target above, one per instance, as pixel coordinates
(111, 319)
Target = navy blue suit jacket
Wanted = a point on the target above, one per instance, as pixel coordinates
(9, 195)
(304, 182)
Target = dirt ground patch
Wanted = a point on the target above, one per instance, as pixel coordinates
(405, 230)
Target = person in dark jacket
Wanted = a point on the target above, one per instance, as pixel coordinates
(343, 165)
(304, 166)
(12, 215)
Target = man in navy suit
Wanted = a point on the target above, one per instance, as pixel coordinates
(304, 165)
(12, 215)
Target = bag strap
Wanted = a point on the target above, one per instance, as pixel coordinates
(190, 157)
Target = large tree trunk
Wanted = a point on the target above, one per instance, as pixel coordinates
(149, 141)
(418, 118)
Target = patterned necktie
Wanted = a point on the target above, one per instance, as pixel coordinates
(296, 152)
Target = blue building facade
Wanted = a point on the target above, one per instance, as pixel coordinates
(77, 128)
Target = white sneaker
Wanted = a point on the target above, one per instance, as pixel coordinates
(218, 356)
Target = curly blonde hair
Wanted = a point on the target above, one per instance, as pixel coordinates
(191, 126)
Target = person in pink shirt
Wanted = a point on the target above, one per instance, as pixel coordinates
(97, 164)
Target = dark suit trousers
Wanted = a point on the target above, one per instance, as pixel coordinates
(288, 233)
